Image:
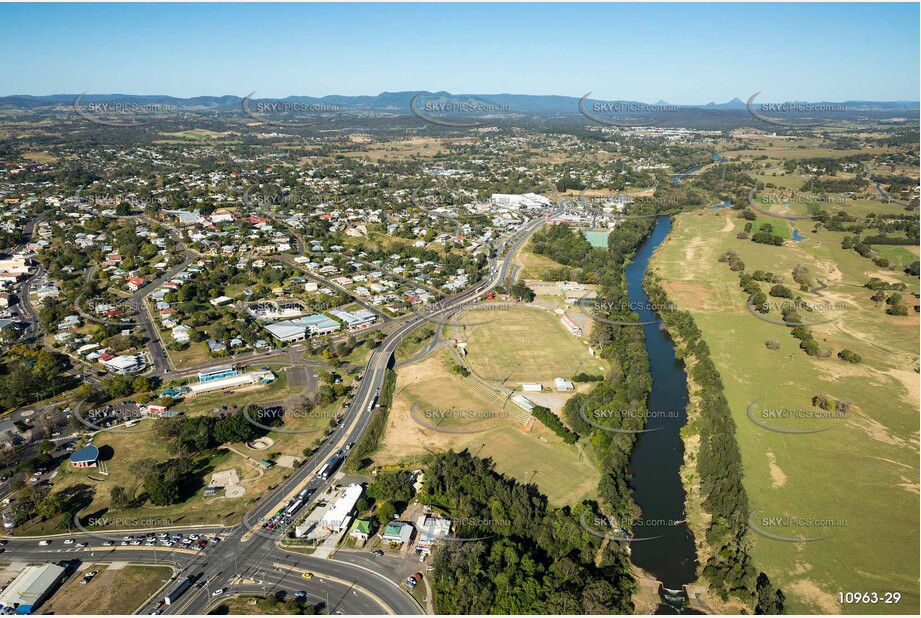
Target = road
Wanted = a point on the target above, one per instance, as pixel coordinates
(248, 553)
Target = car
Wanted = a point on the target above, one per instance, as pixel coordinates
(128, 538)
(430, 567)
(44, 543)
(217, 592)
(423, 556)
(68, 542)
(307, 575)
(378, 552)
(108, 544)
(159, 604)
(194, 537)
(417, 576)
(156, 612)
(300, 594)
(2, 542)
(135, 543)
(214, 539)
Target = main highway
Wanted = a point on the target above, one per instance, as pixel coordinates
(251, 559)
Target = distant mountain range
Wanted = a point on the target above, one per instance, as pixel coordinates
(399, 102)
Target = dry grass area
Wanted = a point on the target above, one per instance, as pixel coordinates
(116, 590)
(525, 452)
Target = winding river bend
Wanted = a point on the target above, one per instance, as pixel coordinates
(659, 454)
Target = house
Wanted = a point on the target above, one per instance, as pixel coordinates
(181, 333)
(220, 301)
(362, 530)
(125, 364)
(397, 532)
(9, 433)
(69, 323)
(135, 283)
(216, 347)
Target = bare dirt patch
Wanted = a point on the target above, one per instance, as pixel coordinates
(778, 478)
(810, 594)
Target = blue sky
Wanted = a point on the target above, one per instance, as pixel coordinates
(680, 53)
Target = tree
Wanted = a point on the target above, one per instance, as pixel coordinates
(51, 506)
(119, 498)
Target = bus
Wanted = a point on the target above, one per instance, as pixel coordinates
(176, 591)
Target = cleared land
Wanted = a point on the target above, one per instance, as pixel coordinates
(522, 345)
(89, 491)
(113, 591)
(864, 470)
(527, 452)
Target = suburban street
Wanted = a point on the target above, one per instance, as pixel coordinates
(250, 559)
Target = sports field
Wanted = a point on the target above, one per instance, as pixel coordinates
(862, 473)
(523, 345)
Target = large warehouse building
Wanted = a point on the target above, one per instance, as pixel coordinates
(30, 588)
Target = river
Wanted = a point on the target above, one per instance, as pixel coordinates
(658, 455)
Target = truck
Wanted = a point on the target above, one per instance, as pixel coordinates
(373, 402)
(176, 591)
(293, 507)
(330, 466)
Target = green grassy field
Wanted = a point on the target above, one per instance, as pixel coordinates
(863, 471)
(524, 345)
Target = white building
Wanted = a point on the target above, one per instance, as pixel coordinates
(339, 517)
(125, 364)
(563, 385)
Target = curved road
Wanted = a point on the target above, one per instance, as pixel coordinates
(249, 558)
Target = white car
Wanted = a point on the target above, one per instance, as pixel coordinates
(69, 542)
(217, 592)
(44, 543)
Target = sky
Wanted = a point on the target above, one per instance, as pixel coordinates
(679, 53)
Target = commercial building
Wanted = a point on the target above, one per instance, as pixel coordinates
(30, 588)
(563, 385)
(287, 332)
(318, 324)
(571, 326)
(355, 320)
(223, 384)
(86, 457)
(339, 517)
(216, 373)
(431, 529)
